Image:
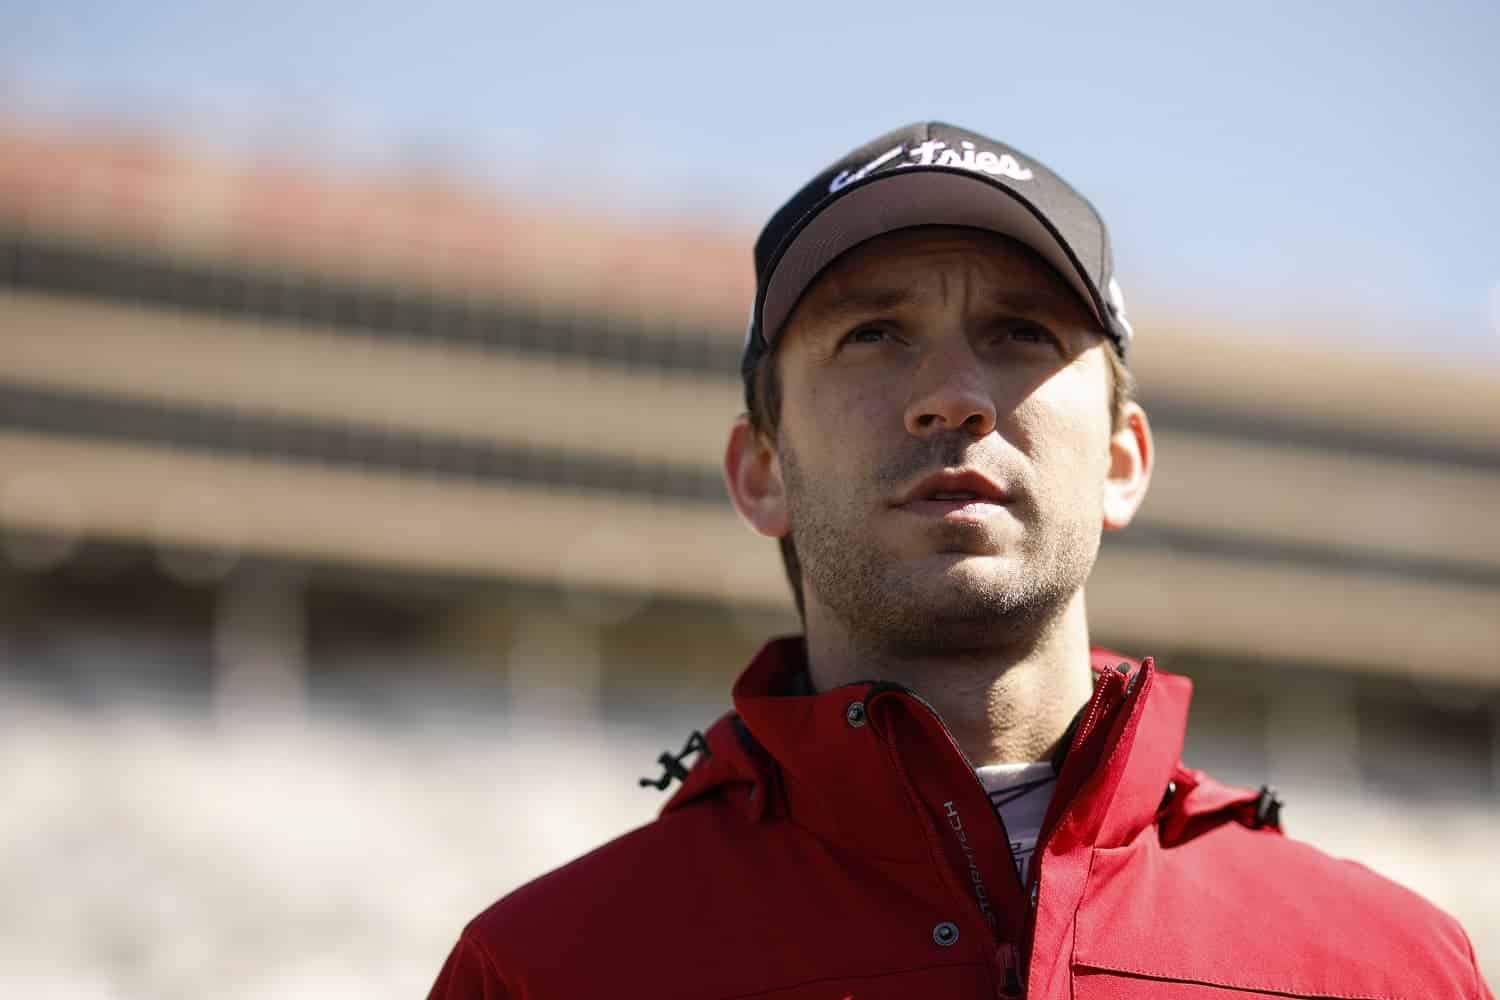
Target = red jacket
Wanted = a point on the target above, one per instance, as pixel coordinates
(838, 846)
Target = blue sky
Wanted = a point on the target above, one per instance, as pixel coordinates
(1321, 169)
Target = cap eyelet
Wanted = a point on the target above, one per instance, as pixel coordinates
(855, 714)
(945, 933)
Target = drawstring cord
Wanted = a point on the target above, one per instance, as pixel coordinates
(672, 763)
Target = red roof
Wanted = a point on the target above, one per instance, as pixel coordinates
(415, 228)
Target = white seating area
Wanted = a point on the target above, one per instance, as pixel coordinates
(165, 851)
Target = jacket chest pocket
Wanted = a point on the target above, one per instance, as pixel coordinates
(1215, 919)
(1115, 984)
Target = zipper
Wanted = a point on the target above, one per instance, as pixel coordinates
(1014, 986)
(1095, 712)
(1085, 729)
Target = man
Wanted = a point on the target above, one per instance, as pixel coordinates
(941, 791)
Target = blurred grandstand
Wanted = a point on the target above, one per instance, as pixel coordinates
(362, 540)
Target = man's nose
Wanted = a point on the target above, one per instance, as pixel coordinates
(949, 392)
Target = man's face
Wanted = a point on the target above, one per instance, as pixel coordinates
(945, 437)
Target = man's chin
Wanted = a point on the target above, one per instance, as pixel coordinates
(978, 567)
(963, 579)
(961, 610)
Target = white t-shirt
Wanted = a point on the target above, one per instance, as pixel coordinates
(1020, 793)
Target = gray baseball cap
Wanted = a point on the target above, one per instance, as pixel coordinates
(926, 174)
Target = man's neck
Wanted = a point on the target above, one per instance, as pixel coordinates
(1008, 704)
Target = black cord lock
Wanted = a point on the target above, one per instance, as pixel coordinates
(672, 763)
(1267, 808)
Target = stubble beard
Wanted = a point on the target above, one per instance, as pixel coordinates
(882, 604)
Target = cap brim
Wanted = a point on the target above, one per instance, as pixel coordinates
(917, 197)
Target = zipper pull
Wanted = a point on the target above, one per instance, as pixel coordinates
(1011, 961)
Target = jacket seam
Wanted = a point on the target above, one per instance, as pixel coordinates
(490, 959)
(1478, 990)
(1088, 876)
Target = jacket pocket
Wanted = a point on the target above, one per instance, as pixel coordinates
(1114, 984)
(1227, 915)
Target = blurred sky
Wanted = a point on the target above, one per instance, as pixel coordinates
(1296, 168)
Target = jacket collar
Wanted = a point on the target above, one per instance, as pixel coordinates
(806, 747)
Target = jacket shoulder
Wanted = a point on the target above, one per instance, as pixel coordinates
(1252, 909)
(643, 902)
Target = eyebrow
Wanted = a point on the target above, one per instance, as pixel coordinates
(1029, 300)
(868, 299)
(864, 299)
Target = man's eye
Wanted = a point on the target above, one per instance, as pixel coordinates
(1030, 333)
(865, 335)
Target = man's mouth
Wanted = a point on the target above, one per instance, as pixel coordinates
(954, 494)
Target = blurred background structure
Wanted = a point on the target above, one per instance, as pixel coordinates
(362, 540)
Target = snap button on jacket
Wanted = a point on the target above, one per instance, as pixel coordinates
(809, 855)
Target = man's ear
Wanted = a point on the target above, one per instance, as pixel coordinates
(752, 471)
(1131, 457)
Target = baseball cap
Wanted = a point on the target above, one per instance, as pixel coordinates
(926, 174)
